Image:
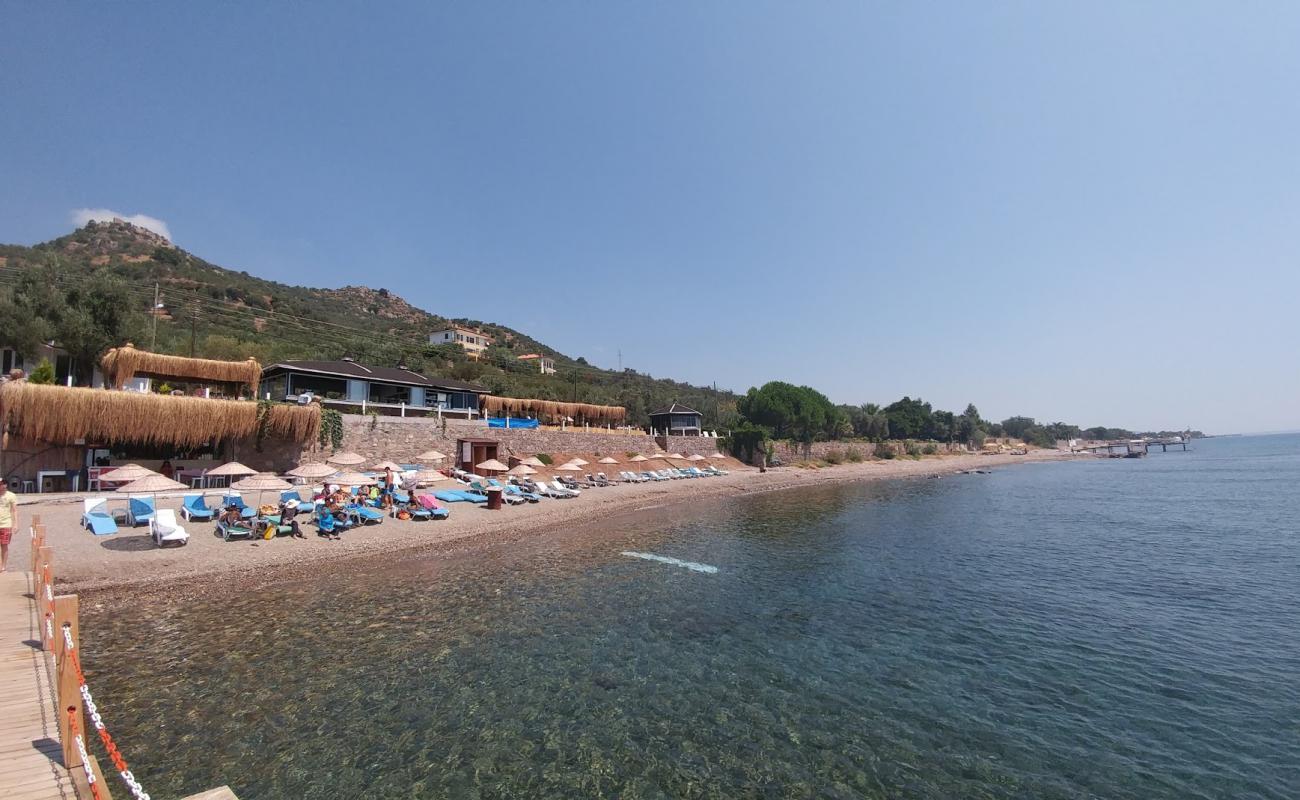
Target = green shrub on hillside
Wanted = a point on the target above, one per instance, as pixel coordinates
(854, 455)
(44, 372)
(930, 449)
(884, 450)
(545, 458)
(833, 457)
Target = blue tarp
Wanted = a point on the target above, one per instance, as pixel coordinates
(514, 423)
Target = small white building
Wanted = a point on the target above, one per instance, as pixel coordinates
(64, 365)
(474, 341)
(547, 365)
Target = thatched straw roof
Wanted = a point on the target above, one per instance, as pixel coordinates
(549, 410)
(63, 415)
(123, 363)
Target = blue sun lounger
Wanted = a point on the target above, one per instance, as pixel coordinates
(237, 500)
(193, 507)
(366, 514)
(453, 496)
(141, 510)
(511, 489)
(95, 517)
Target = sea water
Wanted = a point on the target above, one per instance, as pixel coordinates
(1100, 628)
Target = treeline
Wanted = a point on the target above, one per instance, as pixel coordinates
(781, 410)
(55, 293)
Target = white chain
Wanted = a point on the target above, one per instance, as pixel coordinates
(92, 711)
(85, 759)
(136, 788)
(49, 629)
(49, 593)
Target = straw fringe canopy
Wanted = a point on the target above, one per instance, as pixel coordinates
(63, 415)
(121, 364)
(551, 410)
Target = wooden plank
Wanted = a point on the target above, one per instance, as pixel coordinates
(31, 759)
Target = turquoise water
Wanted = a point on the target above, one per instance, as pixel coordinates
(1110, 629)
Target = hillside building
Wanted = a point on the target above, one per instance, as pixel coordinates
(473, 341)
(545, 364)
(678, 420)
(354, 388)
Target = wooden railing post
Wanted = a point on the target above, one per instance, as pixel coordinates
(38, 541)
(69, 688)
(44, 590)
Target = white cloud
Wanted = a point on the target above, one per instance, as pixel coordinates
(81, 216)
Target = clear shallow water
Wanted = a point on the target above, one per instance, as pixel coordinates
(1122, 628)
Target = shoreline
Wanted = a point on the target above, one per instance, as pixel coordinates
(110, 568)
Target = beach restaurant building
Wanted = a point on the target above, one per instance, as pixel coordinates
(677, 420)
(354, 388)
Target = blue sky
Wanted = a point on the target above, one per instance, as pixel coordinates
(1085, 213)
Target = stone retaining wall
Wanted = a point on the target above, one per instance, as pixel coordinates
(401, 439)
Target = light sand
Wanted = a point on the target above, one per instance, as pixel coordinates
(127, 562)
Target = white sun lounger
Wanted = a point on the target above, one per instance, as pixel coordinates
(166, 530)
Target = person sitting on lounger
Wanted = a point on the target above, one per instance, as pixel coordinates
(289, 516)
(230, 517)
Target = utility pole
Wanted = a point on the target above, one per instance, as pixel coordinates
(575, 386)
(194, 318)
(153, 339)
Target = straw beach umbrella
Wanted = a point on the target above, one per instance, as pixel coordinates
(429, 476)
(312, 470)
(608, 460)
(532, 461)
(383, 465)
(677, 456)
(126, 474)
(492, 465)
(695, 457)
(352, 479)
(230, 469)
(580, 462)
(638, 458)
(261, 483)
(521, 470)
(569, 468)
(716, 454)
(346, 459)
(151, 484)
(430, 455)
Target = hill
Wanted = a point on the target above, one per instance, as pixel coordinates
(211, 311)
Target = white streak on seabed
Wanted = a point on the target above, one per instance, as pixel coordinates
(669, 560)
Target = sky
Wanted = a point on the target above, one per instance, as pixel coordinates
(1078, 212)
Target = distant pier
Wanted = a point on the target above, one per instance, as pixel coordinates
(1132, 448)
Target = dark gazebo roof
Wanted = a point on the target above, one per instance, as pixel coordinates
(675, 408)
(351, 369)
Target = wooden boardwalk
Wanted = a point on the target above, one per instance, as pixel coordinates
(31, 758)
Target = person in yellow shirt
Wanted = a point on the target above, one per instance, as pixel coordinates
(8, 521)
